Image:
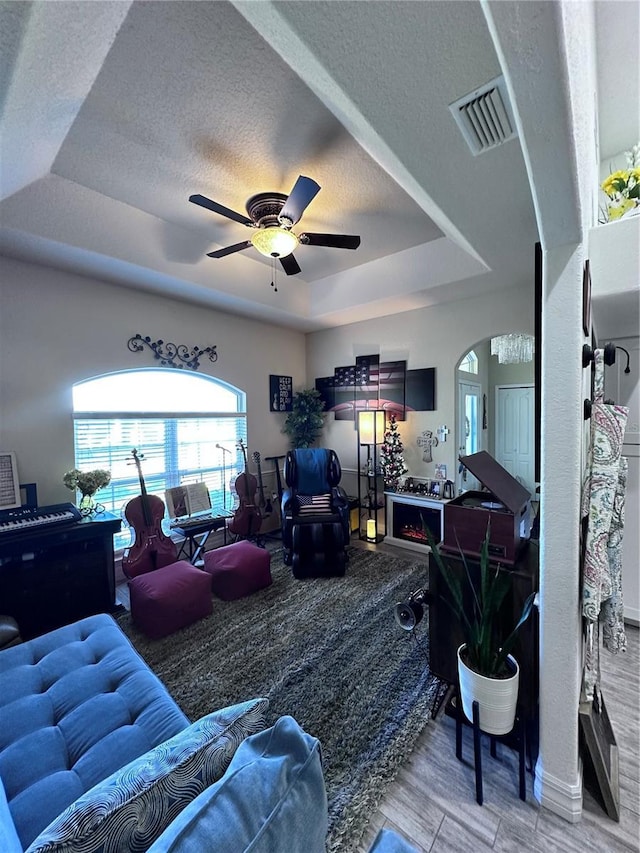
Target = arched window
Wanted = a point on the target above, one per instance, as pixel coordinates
(176, 419)
(469, 363)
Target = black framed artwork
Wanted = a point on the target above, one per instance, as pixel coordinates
(421, 389)
(325, 386)
(344, 392)
(280, 393)
(537, 358)
(586, 299)
(367, 381)
(393, 380)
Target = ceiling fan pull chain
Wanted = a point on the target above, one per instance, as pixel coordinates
(274, 275)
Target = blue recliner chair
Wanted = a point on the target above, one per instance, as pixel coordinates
(315, 514)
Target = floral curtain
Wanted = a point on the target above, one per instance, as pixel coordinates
(603, 497)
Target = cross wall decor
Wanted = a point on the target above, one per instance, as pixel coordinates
(426, 441)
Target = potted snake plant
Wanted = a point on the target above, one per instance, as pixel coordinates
(487, 671)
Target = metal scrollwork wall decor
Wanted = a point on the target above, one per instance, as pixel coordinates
(172, 355)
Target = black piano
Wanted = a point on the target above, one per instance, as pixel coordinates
(55, 566)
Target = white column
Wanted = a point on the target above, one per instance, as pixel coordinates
(558, 782)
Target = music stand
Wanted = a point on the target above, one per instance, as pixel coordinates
(224, 475)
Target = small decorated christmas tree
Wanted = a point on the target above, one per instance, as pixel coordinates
(392, 462)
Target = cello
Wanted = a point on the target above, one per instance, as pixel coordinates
(247, 519)
(152, 548)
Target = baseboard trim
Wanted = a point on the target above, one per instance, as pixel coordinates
(557, 796)
(632, 616)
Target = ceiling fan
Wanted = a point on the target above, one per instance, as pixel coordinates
(272, 216)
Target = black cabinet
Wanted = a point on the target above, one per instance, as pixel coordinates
(445, 635)
(58, 574)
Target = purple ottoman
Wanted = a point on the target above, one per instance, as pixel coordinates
(170, 598)
(238, 570)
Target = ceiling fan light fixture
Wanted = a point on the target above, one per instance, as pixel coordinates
(274, 242)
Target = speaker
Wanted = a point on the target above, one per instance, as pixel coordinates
(408, 614)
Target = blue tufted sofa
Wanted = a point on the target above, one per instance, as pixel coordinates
(95, 755)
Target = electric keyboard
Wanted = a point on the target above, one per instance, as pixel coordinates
(194, 521)
(30, 518)
(198, 520)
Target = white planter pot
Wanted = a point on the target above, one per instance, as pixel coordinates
(497, 697)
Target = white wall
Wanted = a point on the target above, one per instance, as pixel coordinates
(57, 328)
(429, 337)
(614, 255)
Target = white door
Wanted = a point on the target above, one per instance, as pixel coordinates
(469, 430)
(515, 432)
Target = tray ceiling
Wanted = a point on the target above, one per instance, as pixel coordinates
(139, 105)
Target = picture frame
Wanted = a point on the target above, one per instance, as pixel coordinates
(280, 393)
(586, 299)
(9, 483)
(421, 389)
(601, 749)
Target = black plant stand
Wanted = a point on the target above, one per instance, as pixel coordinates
(516, 739)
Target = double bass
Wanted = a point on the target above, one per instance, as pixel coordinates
(247, 519)
(152, 548)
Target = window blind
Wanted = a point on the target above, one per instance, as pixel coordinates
(173, 451)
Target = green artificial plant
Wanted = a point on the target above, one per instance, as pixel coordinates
(304, 422)
(486, 648)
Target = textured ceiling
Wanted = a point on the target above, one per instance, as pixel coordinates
(142, 104)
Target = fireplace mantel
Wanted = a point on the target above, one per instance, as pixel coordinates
(404, 513)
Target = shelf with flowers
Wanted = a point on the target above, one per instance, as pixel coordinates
(622, 189)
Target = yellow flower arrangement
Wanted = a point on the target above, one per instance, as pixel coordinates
(622, 188)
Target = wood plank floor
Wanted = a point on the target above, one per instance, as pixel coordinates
(432, 801)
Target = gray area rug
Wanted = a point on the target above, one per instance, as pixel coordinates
(327, 651)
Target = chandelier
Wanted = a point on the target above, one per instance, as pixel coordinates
(512, 349)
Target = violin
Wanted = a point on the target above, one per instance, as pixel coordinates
(248, 518)
(152, 548)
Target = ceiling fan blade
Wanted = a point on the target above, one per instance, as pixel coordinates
(334, 241)
(229, 250)
(290, 265)
(303, 192)
(203, 201)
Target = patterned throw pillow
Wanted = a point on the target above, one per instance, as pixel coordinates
(131, 808)
(314, 504)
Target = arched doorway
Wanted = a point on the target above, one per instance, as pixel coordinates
(495, 403)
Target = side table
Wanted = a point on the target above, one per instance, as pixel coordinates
(516, 739)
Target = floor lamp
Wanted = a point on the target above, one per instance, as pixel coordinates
(371, 429)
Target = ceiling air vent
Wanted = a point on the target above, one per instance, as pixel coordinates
(485, 116)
